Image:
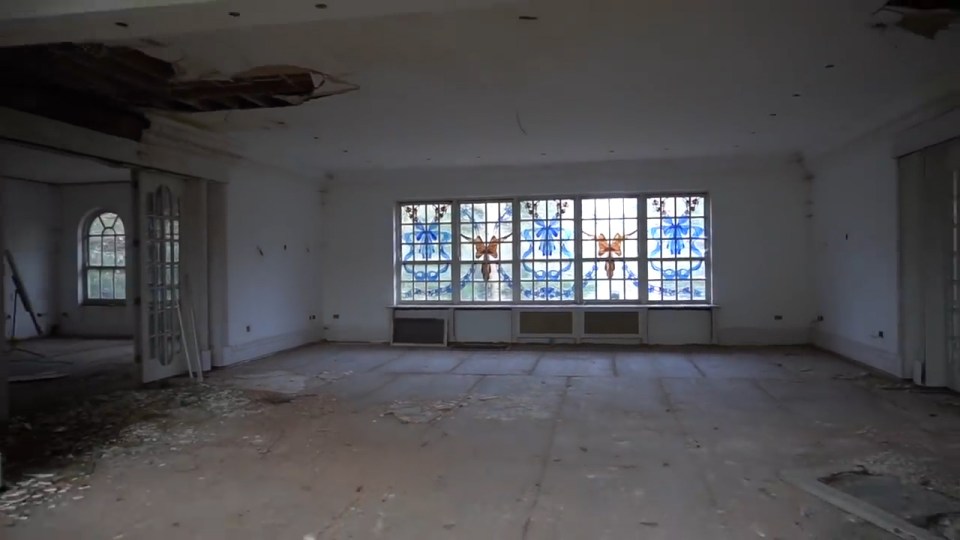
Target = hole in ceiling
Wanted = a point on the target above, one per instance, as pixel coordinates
(122, 24)
(528, 18)
(106, 88)
(773, 114)
(320, 6)
(345, 151)
(234, 13)
(925, 18)
(830, 66)
(796, 95)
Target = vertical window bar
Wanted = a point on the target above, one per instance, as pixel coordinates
(455, 277)
(578, 249)
(515, 264)
(643, 263)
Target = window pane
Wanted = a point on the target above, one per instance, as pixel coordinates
(120, 284)
(426, 282)
(429, 232)
(498, 288)
(108, 219)
(610, 235)
(677, 228)
(95, 251)
(426, 236)
(608, 280)
(109, 251)
(547, 250)
(118, 226)
(96, 226)
(93, 284)
(121, 251)
(106, 284)
(486, 249)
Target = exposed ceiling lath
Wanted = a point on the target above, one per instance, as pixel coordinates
(119, 82)
(926, 18)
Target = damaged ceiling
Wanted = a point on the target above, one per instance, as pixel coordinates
(925, 18)
(107, 88)
(510, 83)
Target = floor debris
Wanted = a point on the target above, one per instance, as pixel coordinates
(414, 412)
(51, 453)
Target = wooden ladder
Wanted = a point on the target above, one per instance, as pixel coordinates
(21, 293)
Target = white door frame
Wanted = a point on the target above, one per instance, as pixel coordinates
(4, 361)
(164, 278)
(929, 331)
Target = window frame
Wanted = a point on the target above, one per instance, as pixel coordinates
(641, 258)
(454, 246)
(579, 259)
(86, 267)
(459, 264)
(707, 257)
(577, 283)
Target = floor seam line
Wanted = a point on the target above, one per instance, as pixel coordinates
(536, 363)
(545, 463)
(460, 363)
(695, 366)
(672, 410)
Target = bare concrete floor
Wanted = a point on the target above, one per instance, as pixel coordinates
(521, 444)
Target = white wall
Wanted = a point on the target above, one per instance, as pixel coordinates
(272, 263)
(79, 203)
(855, 252)
(30, 216)
(856, 235)
(760, 235)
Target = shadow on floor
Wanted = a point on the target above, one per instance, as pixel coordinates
(48, 372)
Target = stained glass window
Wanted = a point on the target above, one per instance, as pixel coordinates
(547, 262)
(104, 260)
(486, 251)
(609, 233)
(676, 249)
(627, 249)
(426, 247)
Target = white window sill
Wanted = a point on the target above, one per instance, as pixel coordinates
(613, 307)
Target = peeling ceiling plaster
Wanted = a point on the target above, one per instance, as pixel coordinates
(606, 80)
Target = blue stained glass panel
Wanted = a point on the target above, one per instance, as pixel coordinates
(676, 249)
(547, 250)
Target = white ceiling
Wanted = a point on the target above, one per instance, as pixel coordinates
(588, 81)
(25, 163)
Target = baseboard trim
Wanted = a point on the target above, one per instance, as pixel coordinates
(860, 353)
(267, 346)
